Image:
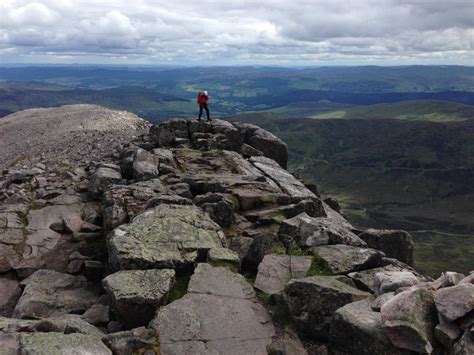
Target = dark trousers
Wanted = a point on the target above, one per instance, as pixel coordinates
(204, 107)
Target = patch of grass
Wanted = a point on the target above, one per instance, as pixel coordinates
(179, 288)
(264, 297)
(319, 267)
(235, 201)
(279, 251)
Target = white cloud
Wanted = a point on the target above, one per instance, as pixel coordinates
(309, 32)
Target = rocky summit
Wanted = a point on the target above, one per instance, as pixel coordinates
(189, 237)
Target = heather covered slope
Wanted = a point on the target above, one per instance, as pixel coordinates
(194, 239)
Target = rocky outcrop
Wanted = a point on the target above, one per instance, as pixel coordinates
(168, 233)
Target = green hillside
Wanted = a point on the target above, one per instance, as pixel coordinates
(424, 110)
(391, 173)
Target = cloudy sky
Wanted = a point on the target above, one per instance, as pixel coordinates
(237, 32)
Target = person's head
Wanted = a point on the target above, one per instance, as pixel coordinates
(205, 93)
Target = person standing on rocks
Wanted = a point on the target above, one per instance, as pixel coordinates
(203, 100)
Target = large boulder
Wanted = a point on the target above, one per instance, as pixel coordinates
(356, 329)
(121, 203)
(275, 271)
(104, 176)
(308, 231)
(313, 300)
(137, 294)
(166, 133)
(265, 142)
(456, 301)
(343, 259)
(218, 315)
(287, 182)
(145, 165)
(166, 236)
(387, 280)
(396, 244)
(409, 320)
(50, 293)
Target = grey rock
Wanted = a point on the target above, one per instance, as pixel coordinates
(409, 319)
(308, 231)
(98, 314)
(288, 344)
(135, 341)
(387, 281)
(396, 244)
(200, 320)
(271, 146)
(312, 302)
(241, 245)
(249, 151)
(262, 244)
(62, 324)
(381, 300)
(102, 179)
(446, 332)
(157, 237)
(343, 259)
(356, 329)
(145, 165)
(50, 293)
(275, 271)
(456, 301)
(287, 182)
(60, 344)
(121, 203)
(219, 208)
(224, 257)
(468, 279)
(137, 294)
(10, 293)
(465, 345)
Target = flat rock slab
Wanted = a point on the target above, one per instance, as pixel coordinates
(218, 315)
(356, 329)
(50, 293)
(10, 292)
(137, 294)
(60, 344)
(343, 259)
(275, 271)
(161, 237)
(312, 302)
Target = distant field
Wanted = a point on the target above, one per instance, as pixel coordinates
(423, 110)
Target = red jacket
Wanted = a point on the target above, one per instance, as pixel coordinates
(202, 99)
